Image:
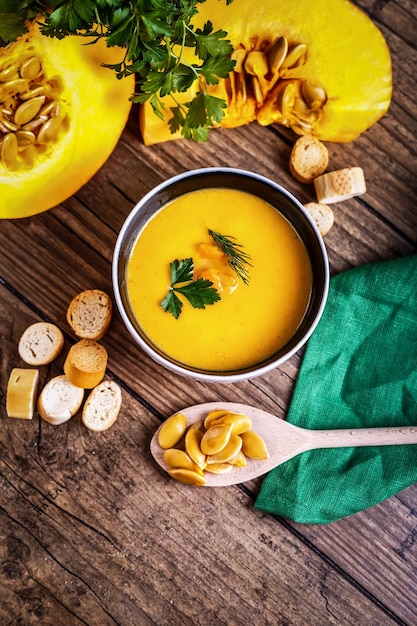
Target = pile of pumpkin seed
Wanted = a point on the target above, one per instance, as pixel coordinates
(273, 75)
(30, 115)
(216, 445)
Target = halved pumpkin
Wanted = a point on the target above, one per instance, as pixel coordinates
(321, 68)
(61, 115)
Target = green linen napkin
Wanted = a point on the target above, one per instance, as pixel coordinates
(359, 370)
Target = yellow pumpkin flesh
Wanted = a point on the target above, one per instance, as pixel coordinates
(93, 110)
(345, 55)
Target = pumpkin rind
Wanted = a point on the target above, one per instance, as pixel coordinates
(346, 54)
(97, 107)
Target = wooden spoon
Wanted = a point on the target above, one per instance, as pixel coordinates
(284, 440)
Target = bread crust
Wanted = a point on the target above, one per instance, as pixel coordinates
(59, 400)
(322, 215)
(89, 314)
(309, 158)
(85, 364)
(340, 185)
(40, 343)
(102, 406)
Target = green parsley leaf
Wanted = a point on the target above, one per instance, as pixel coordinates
(172, 303)
(211, 44)
(204, 110)
(177, 120)
(200, 134)
(182, 77)
(197, 111)
(199, 293)
(156, 27)
(213, 69)
(71, 16)
(13, 14)
(181, 271)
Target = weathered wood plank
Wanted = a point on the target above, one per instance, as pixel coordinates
(392, 558)
(92, 531)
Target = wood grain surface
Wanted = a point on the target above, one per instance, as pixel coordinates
(91, 530)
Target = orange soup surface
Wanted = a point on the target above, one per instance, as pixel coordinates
(251, 321)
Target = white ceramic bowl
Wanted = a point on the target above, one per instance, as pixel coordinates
(252, 183)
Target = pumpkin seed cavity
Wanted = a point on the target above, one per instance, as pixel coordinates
(272, 73)
(30, 112)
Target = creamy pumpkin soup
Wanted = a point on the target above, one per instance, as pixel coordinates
(255, 311)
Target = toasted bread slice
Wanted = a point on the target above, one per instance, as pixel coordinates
(40, 344)
(340, 185)
(322, 215)
(21, 392)
(59, 400)
(102, 406)
(86, 363)
(90, 313)
(309, 158)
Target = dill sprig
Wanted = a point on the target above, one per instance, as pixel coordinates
(236, 257)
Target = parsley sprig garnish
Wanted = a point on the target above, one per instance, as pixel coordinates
(199, 292)
(236, 257)
(154, 35)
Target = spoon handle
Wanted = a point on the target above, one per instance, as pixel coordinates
(346, 437)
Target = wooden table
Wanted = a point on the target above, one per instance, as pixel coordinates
(92, 532)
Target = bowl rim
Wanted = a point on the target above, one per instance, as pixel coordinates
(228, 376)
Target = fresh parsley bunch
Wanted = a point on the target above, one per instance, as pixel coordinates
(154, 34)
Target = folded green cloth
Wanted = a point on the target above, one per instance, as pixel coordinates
(359, 370)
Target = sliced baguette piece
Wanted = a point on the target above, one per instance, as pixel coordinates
(102, 406)
(308, 159)
(59, 400)
(21, 392)
(322, 215)
(340, 185)
(90, 313)
(40, 343)
(86, 363)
